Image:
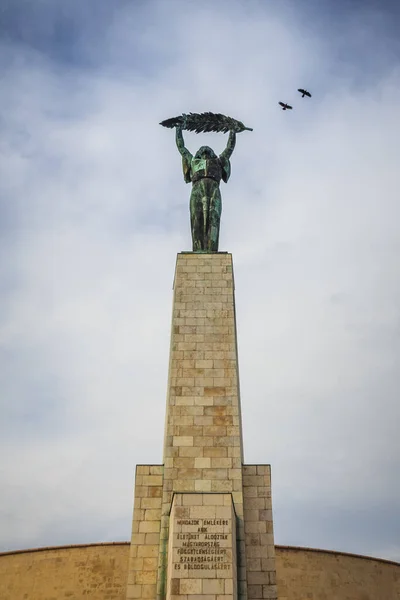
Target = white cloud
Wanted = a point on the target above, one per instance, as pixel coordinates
(96, 209)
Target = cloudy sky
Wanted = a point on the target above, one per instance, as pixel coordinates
(93, 209)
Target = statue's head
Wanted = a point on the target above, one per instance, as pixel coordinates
(205, 152)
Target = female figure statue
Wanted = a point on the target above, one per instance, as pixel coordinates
(205, 171)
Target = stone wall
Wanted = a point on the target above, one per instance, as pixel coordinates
(99, 572)
(309, 574)
(145, 540)
(259, 537)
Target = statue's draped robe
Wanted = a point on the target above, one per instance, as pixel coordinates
(205, 199)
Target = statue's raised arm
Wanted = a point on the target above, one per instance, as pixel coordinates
(186, 156)
(179, 140)
(225, 156)
(230, 146)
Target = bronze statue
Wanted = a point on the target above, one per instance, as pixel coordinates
(205, 170)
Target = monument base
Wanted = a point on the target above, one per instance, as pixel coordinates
(202, 526)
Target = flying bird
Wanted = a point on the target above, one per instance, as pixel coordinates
(285, 106)
(304, 93)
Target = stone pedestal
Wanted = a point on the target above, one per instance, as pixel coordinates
(203, 458)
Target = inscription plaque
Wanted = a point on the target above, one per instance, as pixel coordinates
(202, 546)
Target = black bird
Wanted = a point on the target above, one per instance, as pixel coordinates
(285, 106)
(304, 93)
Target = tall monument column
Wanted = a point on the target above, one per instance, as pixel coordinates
(202, 523)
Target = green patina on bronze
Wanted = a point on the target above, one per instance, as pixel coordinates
(204, 171)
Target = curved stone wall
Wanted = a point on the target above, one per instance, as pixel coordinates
(309, 574)
(95, 572)
(99, 572)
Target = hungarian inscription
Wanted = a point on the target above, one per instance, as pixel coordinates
(204, 547)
